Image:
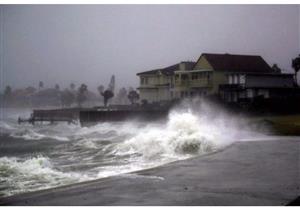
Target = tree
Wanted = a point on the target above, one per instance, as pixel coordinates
(67, 98)
(122, 95)
(7, 95)
(72, 86)
(296, 66)
(81, 95)
(111, 85)
(108, 94)
(41, 85)
(276, 69)
(30, 90)
(57, 87)
(133, 96)
(100, 89)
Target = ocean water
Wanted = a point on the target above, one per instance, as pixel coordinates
(46, 156)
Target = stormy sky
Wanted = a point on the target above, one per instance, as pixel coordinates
(87, 44)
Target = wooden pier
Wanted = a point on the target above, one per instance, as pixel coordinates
(52, 116)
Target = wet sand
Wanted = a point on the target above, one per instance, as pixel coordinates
(245, 173)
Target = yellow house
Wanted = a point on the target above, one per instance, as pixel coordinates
(188, 79)
(211, 71)
(158, 85)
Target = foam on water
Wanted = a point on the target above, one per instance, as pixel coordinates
(18, 175)
(108, 149)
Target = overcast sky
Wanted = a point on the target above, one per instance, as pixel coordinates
(87, 44)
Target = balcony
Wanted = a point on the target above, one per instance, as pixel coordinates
(194, 83)
(231, 87)
(147, 86)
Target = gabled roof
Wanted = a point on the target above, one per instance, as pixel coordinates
(170, 69)
(237, 63)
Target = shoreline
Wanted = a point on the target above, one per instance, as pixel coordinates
(244, 173)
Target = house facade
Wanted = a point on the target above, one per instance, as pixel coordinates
(158, 85)
(244, 87)
(213, 74)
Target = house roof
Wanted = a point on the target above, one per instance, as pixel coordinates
(237, 63)
(170, 69)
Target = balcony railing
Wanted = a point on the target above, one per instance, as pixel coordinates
(194, 83)
(231, 86)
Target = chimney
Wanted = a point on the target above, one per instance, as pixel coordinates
(182, 66)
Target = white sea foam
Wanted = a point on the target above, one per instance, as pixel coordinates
(33, 174)
(185, 134)
(108, 149)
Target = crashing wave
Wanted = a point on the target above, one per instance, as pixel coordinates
(33, 174)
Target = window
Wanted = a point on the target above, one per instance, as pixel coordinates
(264, 93)
(235, 97)
(184, 76)
(230, 79)
(242, 79)
(250, 93)
(235, 79)
(194, 76)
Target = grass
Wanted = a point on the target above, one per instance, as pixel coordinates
(281, 124)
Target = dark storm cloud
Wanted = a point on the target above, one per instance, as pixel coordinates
(63, 44)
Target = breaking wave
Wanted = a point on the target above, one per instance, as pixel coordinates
(17, 175)
(106, 149)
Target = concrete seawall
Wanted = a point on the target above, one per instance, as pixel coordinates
(96, 116)
(245, 173)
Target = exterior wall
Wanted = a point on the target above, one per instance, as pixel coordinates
(202, 63)
(249, 86)
(148, 80)
(218, 79)
(164, 94)
(269, 81)
(236, 78)
(163, 80)
(155, 87)
(148, 94)
(195, 84)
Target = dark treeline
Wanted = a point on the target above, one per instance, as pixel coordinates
(72, 96)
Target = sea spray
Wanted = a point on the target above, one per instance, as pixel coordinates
(76, 154)
(32, 174)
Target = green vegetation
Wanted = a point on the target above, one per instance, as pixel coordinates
(281, 124)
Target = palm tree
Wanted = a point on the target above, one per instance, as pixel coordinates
(7, 95)
(81, 96)
(41, 85)
(296, 66)
(67, 98)
(121, 97)
(133, 96)
(72, 86)
(57, 87)
(108, 94)
(100, 89)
